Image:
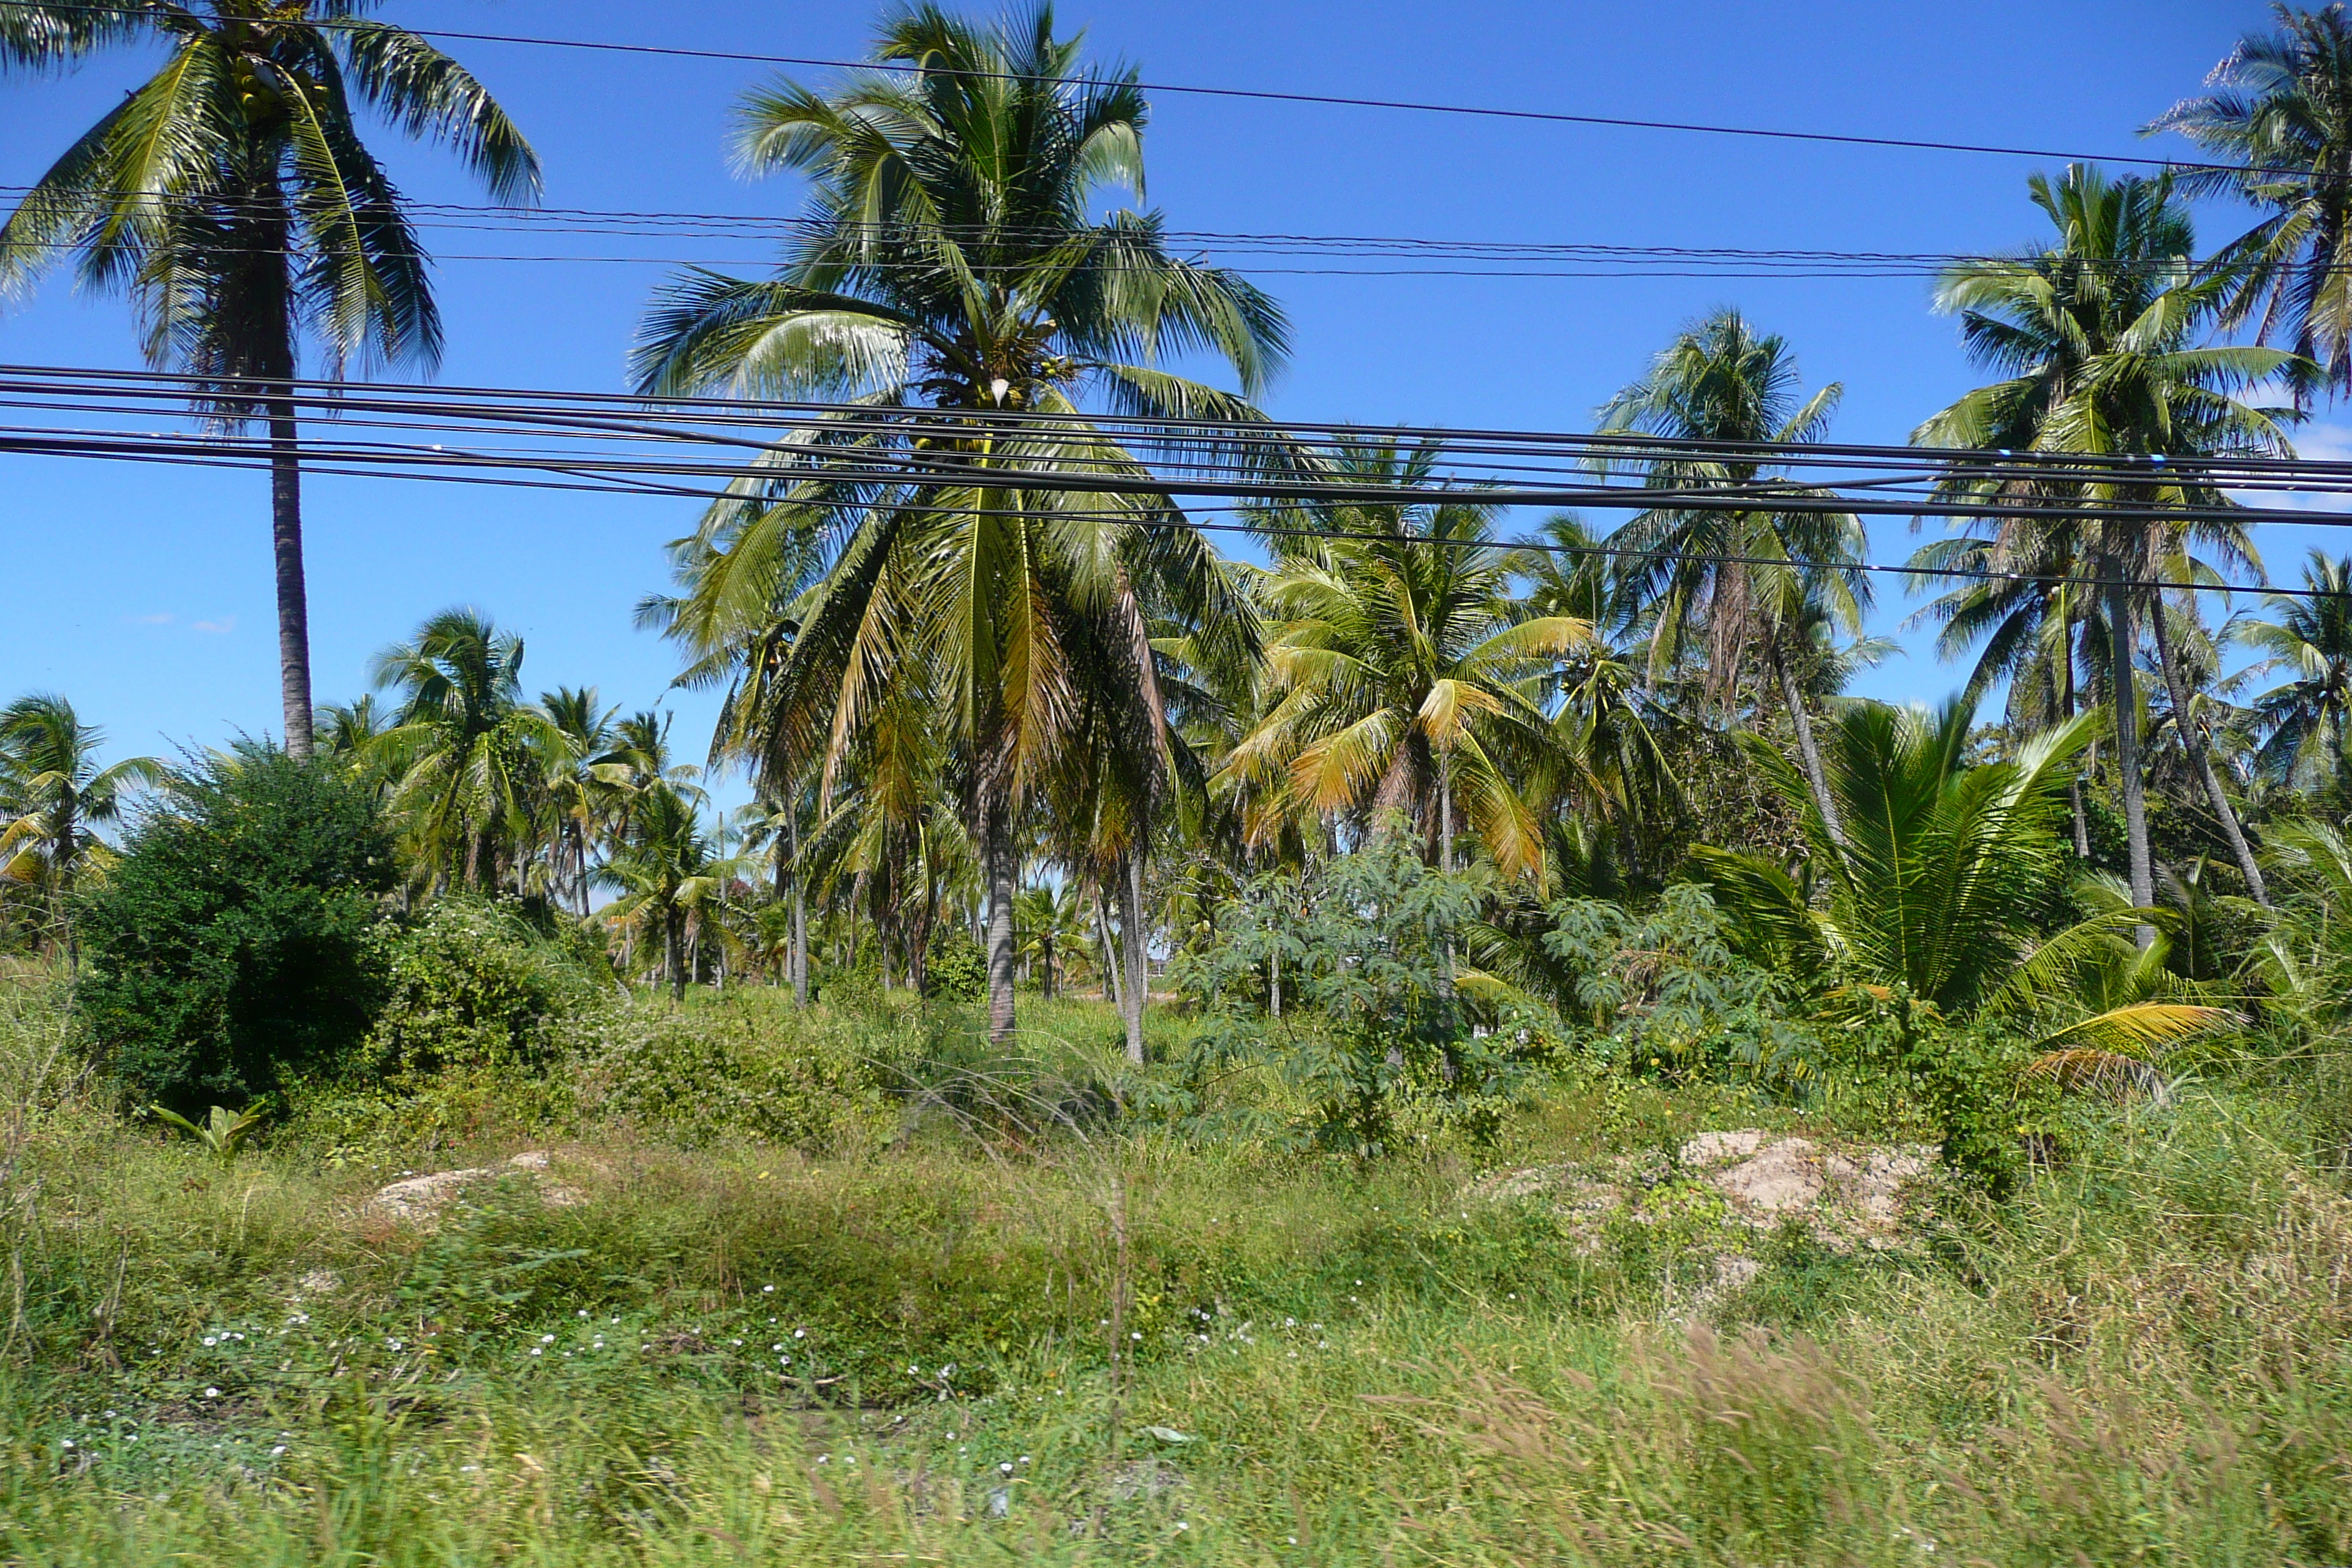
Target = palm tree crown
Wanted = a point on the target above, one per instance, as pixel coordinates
(953, 262)
(2281, 112)
(233, 198)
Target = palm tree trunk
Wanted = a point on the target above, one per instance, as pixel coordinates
(673, 953)
(2193, 737)
(2119, 637)
(293, 595)
(2073, 704)
(1112, 990)
(1131, 939)
(798, 960)
(1807, 750)
(61, 883)
(996, 861)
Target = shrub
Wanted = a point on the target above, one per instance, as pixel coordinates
(231, 945)
(749, 1068)
(957, 970)
(471, 985)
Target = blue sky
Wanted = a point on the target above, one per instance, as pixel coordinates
(144, 593)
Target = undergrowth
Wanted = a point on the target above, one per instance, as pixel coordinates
(699, 1336)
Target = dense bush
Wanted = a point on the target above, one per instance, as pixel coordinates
(750, 1069)
(234, 942)
(471, 985)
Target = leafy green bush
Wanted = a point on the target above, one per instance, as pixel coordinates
(232, 944)
(471, 985)
(749, 1068)
(957, 970)
(1366, 945)
(1661, 992)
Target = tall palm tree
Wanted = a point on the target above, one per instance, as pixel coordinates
(468, 752)
(2305, 720)
(51, 782)
(579, 797)
(1737, 583)
(951, 260)
(2282, 114)
(1402, 675)
(2091, 334)
(667, 870)
(232, 197)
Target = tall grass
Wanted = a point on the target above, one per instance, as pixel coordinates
(2145, 1357)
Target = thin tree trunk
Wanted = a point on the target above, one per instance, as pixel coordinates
(2119, 637)
(2193, 737)
(673, 953)
(2075, 784)
(996, 857)
(798, 960)
(293, 595)
(1807, 750)
(1112, 990)
(61, 907)
(1132, 940)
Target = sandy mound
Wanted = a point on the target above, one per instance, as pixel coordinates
(1848, 1196)
(422, 1197)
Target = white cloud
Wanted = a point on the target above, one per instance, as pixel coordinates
(225, 625)
(2318, 443)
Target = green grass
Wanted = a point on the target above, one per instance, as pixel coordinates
(2147, 1357)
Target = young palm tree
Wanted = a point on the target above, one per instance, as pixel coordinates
(2283, 115)
(1404, 676)
(232, 197)
(1935, 889)
(2306, 720)
(51, 782)
(468, 753)
(952, 260)
(1738, 583)
(2093, 334)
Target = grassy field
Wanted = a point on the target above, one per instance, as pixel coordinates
(711, 1349)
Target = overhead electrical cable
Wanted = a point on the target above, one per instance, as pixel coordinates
(1267, 95)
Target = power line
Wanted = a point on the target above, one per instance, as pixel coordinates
(329, 395)
(1339, 100)
(1256, 529)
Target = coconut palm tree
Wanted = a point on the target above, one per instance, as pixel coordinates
(468, 753)
(2305, 720)
(1403, 678)
(578, 798)
(2281, 115)
(951, 260)
(232, 197)
(2093, 336)
(1734, 585)
(667, 872)
(51, 782)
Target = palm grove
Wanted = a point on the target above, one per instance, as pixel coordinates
(1402, 779)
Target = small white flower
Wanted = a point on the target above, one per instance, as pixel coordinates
(395, 1344)
(212, 1394)
(1025, 1459)
(734, 1341)
(767, 1289)
(800, 1333)
(1005, 1469)
(1182, 1525)
(547, 1338)
(584, 1311)
(212, 1338)
(69, 1444)
(537, 1350)
(277, 1450)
